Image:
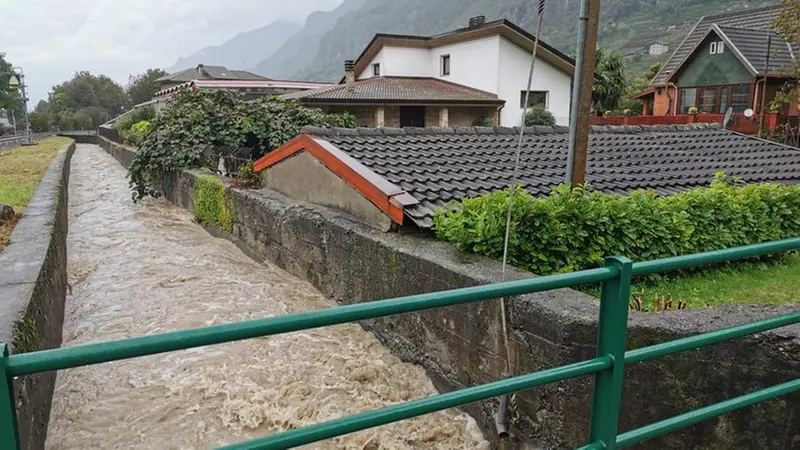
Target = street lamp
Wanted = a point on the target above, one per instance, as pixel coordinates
(16, 80)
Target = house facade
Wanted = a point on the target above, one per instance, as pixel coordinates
(488, 61)
(733, 60)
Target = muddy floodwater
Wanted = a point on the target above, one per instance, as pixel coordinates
(145, 268)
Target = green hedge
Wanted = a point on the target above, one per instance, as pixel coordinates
(572, 230)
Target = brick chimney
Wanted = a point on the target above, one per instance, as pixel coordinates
(477, 21)
(349, 73)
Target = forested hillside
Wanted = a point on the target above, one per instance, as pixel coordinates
(317, 52)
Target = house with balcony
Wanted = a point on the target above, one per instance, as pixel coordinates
(474, 75)
(733, 60)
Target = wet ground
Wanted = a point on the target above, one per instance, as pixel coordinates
(147, 268)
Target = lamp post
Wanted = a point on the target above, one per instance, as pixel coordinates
(16, 80)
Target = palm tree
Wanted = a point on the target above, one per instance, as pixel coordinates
(609, 84)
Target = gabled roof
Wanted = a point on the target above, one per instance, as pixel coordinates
(266, 85)
(213, 72)
(436, 166)
(504, 28)
(398, 90)
(752, 19)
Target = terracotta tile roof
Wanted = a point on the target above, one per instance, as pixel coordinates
(397, 89)
(752, 19)
(437, 166)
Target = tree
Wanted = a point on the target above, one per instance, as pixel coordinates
(788, 25)
(142, 87)
(97, 97)
(609, 84)
(40, 121)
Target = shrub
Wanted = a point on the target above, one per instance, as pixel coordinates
(693, 110)
(539, 115)
(194, 121)
(210, 203)
(136, 134)
(127, 121)
(575, 229)
(247, 177)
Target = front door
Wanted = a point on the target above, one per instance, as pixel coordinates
(412, 116)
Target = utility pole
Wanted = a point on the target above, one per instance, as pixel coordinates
(581, 107)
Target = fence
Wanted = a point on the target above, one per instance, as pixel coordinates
(608, 366)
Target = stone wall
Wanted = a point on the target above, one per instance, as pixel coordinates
(33, 284)
(461, 346)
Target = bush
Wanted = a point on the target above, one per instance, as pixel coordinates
(575, 229)
(136, 134)
(539, 115)
(247, 178)
(211, 205)
(195, 121)
(127, 121)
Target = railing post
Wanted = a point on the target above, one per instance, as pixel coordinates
(9, 433)
(612, 328)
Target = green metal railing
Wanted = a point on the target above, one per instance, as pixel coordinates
(608, 366)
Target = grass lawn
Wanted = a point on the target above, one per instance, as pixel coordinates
(21, 169)
(763, 283)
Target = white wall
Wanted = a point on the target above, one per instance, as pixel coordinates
(400, 62)
(472, 63)
(513, 78)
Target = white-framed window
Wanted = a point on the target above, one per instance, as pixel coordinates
(444, 65)
(376, 70)
(535, 98)
(717, 47)
(713, 48)
(720, 47)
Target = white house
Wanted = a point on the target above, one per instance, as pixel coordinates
(476, 74)
(658, 48)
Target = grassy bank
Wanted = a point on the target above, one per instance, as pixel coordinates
(766, 283)
(21, 169)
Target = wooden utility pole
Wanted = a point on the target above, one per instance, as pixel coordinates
(579, 139)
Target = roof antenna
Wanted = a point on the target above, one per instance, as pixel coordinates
(501, 417)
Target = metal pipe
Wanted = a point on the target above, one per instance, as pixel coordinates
(576, 90)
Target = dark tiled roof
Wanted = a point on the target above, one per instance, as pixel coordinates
(397, 89)
(754, 19)
(213, 72)
(437, 166)
(753, 46)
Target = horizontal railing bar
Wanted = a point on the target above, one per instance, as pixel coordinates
(713, 257)
(84, 355)
(593, 446)
(407, 410)
(706, 412)
(713, 337)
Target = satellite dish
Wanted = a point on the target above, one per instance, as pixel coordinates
(748, 113)
(727, 119)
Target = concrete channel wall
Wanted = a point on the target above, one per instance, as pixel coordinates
(33, 286)
(461, 346)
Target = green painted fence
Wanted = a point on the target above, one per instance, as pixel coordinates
(608, 366)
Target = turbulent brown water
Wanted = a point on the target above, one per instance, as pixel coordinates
(146, 268)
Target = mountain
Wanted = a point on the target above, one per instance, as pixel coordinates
(243, 50)
(317, 52)
(298, 52)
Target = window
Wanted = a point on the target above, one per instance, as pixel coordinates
(376, 70)
(536, 98)
(445, 65)
(740, 97)
(713, 48)
(717, 47)
(688, 99)
(708, 99)
(723, 100)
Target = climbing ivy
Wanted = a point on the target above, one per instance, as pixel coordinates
(211, 203)
(194, 121)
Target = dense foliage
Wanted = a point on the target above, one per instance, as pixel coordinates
(194, 121)
(125, 122)
(211, 205)
(609, 84)
(142, 87)
(539, 115)
(84, 102)
(571, 230)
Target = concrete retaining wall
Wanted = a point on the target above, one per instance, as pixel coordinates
(33, 283)
(15, 141)
(461, 346)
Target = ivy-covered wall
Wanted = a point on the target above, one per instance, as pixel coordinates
(705, 69)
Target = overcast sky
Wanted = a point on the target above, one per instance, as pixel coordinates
(52, 39)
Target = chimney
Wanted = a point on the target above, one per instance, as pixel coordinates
(477, 21)
(349, 71)
(200, 69)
